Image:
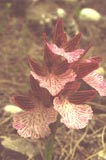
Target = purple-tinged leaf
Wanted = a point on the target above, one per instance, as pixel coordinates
(42, 93)
(72, 44)
(85, 67)
(70, 88)
(24, 102)
(81, 97)
(37, 68)
(61, 67)
(59, 37)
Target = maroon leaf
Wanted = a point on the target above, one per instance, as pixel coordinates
(50, 58)
(70, 88)
(59, 36)
(72, 44)
(47, 99)
(41, 93)
(86, 67)
(35, 86)
(61, 67)
(81, 97)
(73, 86)
(37, 68)
(97, 59)
(24, 102)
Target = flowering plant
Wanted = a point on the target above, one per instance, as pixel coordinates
(57, 87)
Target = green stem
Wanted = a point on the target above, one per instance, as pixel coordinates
(49, 148)
(50, 141)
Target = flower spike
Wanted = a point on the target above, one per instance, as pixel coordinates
(57, 87)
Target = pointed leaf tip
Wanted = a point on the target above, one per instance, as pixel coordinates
(59, 35)
(97, 59)
(34, 85)
(36, 67)
(48, 55)
(73, 43)
(50, 58)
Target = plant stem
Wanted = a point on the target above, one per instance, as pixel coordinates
(49, 148)
(50, 141)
